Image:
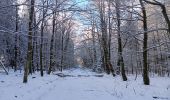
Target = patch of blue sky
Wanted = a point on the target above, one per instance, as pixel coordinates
(82, 3)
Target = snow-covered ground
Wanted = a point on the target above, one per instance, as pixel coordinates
(82, 85)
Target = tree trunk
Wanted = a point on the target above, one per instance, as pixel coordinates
(164, 12)
(41, 43)
(94, 44)
(41, 48)
(145, 39)
(29, 52)
(166, 17)
(120, 56)
(52, 46)
(110, 29)
(62, 51)
(16, 42)
(34, 53)
(108, 65)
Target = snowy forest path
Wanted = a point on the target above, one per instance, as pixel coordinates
(81, 85)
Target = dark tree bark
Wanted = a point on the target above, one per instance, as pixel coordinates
(62, 50)
(16, 41)
(41, 49)
(145, 39)
(110, 29)
(34, 53)
(120, 49)
(29, 52)
(42, 35)
(94, 42)
(52, 46)
(108, 65)
(164, 12)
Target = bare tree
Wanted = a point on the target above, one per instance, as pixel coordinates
(29, 52)
(145, 40)
(16, 40)
(164, 11)
(120, 49)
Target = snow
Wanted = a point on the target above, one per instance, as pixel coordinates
(86, 87)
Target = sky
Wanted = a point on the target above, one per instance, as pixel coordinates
(82, 2)
(78, 17)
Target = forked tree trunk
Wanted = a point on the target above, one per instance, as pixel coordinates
(164, 12)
